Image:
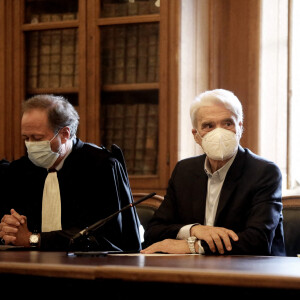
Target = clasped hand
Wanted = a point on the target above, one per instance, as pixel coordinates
(215, 237)
(13, 229)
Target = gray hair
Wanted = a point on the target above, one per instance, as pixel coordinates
(61, 113)
(213, 97)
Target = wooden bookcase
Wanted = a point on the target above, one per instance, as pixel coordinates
(116, 61)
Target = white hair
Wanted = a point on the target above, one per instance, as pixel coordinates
(215, 97)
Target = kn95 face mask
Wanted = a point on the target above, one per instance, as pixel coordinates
(220, 143)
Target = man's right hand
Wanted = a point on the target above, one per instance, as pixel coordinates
(214, 237)
(11, 226)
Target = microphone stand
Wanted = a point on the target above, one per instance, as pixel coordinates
(89, 242)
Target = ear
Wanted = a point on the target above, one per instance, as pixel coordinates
(194, 132)
(65, 134)
(241, 129)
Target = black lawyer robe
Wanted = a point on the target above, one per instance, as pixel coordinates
(93, 185)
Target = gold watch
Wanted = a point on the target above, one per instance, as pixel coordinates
(34, 239)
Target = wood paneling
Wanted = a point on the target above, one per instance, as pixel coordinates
(235, 55)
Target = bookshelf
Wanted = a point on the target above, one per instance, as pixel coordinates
(116, 61)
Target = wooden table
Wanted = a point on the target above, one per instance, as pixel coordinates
(126, 277)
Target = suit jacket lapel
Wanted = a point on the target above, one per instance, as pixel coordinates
(200, 190)
(231, 181)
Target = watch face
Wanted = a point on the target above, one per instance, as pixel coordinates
(34, 239)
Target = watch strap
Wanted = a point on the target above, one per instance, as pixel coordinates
(191, 243)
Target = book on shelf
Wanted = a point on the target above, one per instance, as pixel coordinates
(107, 54)
(44, 58)
(55, 59)
(129, 8)
(151, 144)
(142, 53)
(32, 57)
(119, 51)
(52, 55)
(54, 17)
(134, 128)
(68, 57)
(129, 135)
(130, 54)
(153, 53)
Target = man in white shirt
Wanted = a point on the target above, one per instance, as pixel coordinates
(226, 201)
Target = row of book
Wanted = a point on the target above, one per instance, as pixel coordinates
(129, 8)
(42, 17)
(134, 128)
(130, 54)
(52, 58)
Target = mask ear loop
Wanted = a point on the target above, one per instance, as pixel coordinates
(197, 135)
(54, 136)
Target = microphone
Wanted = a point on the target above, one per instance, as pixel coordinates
(101, 222)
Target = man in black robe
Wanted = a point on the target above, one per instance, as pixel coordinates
(92, 185)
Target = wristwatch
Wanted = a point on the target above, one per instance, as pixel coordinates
(34, 239)
(191, 243)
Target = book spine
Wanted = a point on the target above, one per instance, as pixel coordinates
(119, 50)
(130, 118)
(140, 139)
(153, 53)
(142, 53)
(107, 54)
(55, 59)
(32, 59)
(68, 57)
(151, 144)
(131, 54)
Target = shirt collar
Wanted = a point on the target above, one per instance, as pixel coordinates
(60, 165)
(221, 173)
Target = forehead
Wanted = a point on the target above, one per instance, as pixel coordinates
(214, 113)
(35, 120)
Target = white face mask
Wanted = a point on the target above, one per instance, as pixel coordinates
(220, 144)
(41, 154)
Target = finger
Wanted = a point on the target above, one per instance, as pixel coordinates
(148, 250)
(9, 230)
(17, 216)
(9, 239)
(226, 240)
(10, 220)
(152, 249)
(218, 242)
(233, 235)
(210, 244)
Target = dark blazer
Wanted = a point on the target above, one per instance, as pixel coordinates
(249, 204)
(93, 185)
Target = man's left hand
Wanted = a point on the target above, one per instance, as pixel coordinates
(168, 246)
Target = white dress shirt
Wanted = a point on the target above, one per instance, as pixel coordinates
(214, 187)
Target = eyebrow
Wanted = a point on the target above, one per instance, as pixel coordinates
(228, 120)
(207, 122)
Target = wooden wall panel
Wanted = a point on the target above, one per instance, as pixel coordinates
(2, 79)
(6, 80)
(235, 55)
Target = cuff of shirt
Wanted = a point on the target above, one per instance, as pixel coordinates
(185, 232)
(201, 250)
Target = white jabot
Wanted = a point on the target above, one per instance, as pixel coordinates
(51, 206)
